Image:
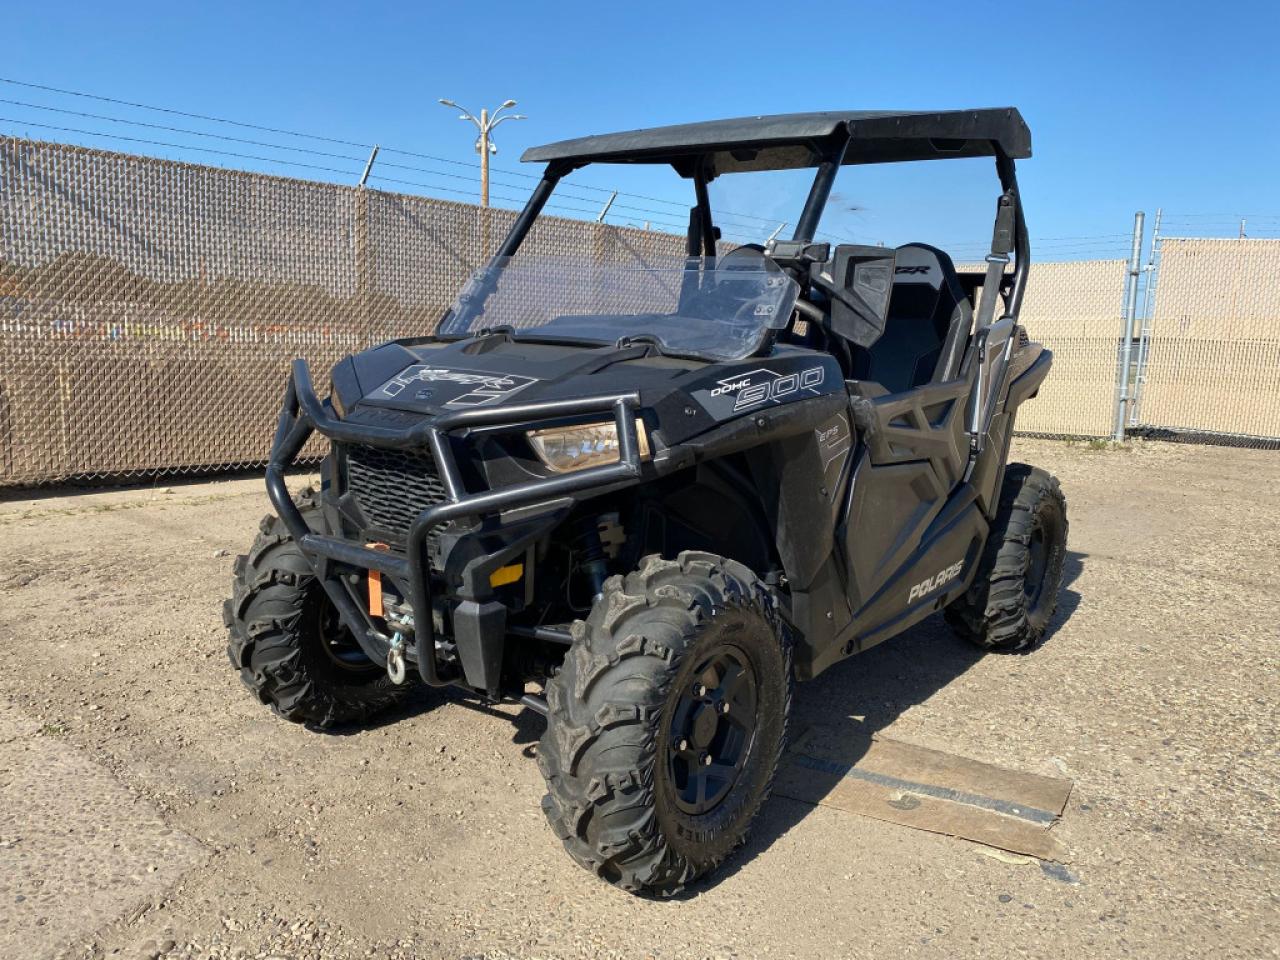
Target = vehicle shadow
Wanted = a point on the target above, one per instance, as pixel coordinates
(856, 699)
(1068, 599)
(527, 725)
(419, 700)
(853, 701)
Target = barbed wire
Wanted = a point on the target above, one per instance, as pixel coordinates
(172, 146)
(179, 113)
(733, 225)
(1219, 226)
(318, 137)
(1174, 215)
(183, 130)
(654, 215)
(965, 253)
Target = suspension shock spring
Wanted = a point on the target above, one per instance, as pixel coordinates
(587, 545)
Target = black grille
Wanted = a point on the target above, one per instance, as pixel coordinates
(391, 487)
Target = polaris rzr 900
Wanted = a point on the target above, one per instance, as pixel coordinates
(645, 496)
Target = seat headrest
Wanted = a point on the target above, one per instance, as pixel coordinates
(920, 263)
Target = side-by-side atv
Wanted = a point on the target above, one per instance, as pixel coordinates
(644, 495)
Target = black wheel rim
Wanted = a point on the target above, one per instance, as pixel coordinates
(712, 730)
(337, 642)
(1037, 564)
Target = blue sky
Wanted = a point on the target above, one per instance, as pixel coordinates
(1131, 106)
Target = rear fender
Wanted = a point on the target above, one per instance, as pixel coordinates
(1026, 384)
(1032, 365)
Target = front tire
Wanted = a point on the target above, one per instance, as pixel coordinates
(287, 642)
(667, 722)
(1015, 590)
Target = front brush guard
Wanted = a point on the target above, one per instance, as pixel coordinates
(303, 413)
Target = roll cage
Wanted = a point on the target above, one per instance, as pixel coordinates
(825, 141)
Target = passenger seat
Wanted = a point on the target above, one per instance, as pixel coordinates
(926, 327)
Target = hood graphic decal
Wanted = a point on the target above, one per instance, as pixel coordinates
(451, 387)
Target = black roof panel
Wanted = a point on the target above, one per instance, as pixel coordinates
(790, 140)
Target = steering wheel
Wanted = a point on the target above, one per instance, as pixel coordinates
(750, 255)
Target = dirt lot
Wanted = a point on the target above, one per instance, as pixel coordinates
(423, 837)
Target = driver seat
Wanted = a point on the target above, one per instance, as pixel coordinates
(926, 325)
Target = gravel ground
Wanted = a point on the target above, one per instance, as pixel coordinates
(422, 837)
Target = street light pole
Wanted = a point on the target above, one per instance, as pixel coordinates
(484, 157)
(485, 123)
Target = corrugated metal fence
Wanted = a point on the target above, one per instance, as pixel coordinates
(149, 308)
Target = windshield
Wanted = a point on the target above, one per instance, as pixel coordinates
(712, 308)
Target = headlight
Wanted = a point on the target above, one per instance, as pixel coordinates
(564, 449)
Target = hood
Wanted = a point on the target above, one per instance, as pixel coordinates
(415, 378)
(438, 377)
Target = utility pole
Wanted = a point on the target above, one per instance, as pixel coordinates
(485, 146)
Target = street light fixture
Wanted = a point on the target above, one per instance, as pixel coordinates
(484, 143)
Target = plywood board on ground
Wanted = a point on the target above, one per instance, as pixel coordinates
(928, 790)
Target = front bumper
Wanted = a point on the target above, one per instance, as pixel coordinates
(304, 413)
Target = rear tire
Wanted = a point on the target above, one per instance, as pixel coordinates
(1015, 590)
(667, 722)
(287, 642)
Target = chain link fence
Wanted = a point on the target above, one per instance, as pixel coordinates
(1074, 309)
(1213, 352)
(149, 310)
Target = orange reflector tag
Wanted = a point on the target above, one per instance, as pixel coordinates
(375, 585)
(508, 574)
